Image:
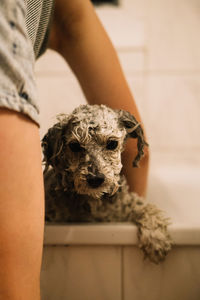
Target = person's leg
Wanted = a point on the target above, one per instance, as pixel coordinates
(21, 207)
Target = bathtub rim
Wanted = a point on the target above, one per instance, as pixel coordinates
(113, 234)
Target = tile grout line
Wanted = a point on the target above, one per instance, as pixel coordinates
(122, 273)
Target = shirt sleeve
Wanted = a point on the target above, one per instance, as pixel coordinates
(17, 59)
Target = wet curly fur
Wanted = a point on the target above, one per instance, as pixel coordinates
(83, 180)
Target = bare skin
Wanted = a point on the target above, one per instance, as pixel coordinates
(79, 37)
(21, 208)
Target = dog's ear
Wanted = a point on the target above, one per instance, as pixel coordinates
(53, 144)
(134, 130)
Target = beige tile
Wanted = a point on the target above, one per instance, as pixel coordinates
(137, 85)
(81, 273)
(52, 62)
(174, 188)
(61, 94)
(123, 29)
(177, 278)
(132, 61)
(173, 121)
(57, 94)
(138, 8)
(173, 29)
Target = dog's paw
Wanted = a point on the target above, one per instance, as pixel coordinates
(155, 244)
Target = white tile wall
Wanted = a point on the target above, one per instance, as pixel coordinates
(137, 8)
(132, 61)
(51, 64)
(124, 30)
(58, 94)
(173, 34)
(173, 108)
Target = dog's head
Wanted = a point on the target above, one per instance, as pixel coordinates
(85, 148)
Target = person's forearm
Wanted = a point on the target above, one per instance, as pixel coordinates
(80, 38)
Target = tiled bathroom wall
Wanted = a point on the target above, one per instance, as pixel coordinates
(159, 48)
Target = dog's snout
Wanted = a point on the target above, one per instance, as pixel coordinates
(95, 181)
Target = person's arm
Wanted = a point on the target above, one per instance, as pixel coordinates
(79, 37)
(21, 180)
(21, 207)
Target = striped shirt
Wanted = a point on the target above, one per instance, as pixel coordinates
(24, 28)
(38, 19)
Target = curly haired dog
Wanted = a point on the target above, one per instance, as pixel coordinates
(84, 181)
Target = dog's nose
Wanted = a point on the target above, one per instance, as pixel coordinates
(95, 181)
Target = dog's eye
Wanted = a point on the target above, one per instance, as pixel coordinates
(75, 147)
(111, 145)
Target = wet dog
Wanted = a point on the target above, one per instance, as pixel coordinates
(83, 180)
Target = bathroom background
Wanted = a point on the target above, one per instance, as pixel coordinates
(159, 48)
(158, 45)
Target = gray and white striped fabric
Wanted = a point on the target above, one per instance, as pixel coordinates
(38, 18)
(24, 26)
